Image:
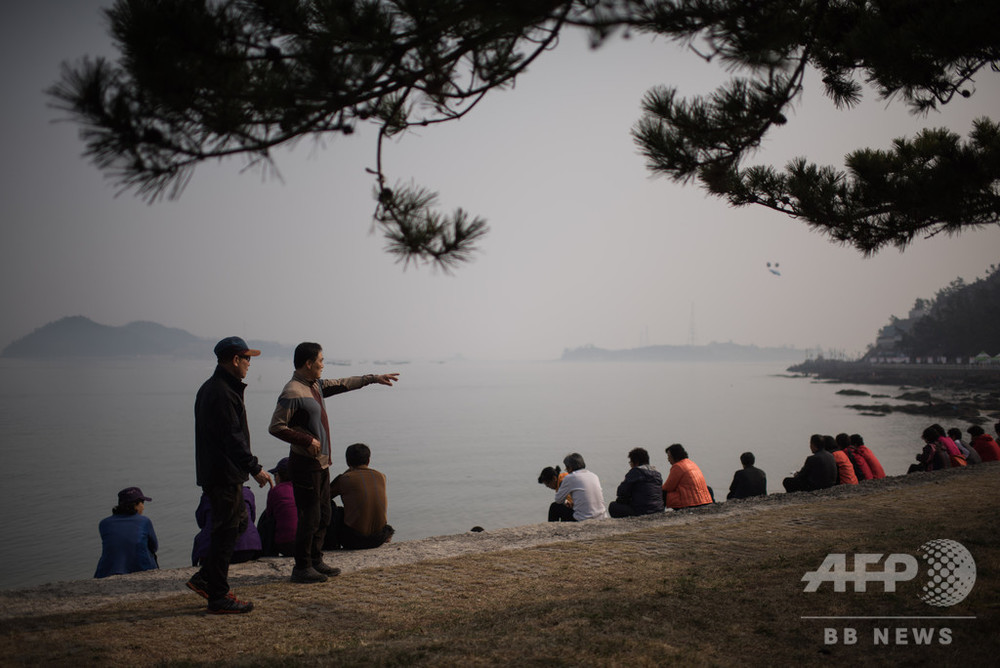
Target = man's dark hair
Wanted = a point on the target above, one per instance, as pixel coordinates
(857, 440)
(358, 454)
(955, 434)
(747, 459)
(549, 473)
(830, 443)
(816, 440)
(843, 440)
(306, 351)
(638, 456)
(677, 451)
(574, 462)
(975, 430)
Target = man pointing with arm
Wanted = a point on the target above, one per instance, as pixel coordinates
(300, 419)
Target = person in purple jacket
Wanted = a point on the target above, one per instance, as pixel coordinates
(280, 519)
(247, 544)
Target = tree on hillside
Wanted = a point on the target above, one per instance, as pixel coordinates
(964, 319)
(199, 80)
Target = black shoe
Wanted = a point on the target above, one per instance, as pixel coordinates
(230, 605)
(326, 569)
(307, 575)
(198, 585)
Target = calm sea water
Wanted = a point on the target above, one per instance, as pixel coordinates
(462, 443)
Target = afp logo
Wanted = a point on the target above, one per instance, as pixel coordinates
(949, 569)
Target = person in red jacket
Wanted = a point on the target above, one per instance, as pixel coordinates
(845, 469)
(861, 469)
(984, 444)
(859, 447)
(685, 486)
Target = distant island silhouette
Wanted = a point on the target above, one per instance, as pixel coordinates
(78, 336)
(712, 352)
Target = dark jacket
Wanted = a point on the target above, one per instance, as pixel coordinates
(221, 435)
(819, 471)
(747, 482)
(641, 490)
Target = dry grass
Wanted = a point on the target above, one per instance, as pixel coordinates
(721, 590)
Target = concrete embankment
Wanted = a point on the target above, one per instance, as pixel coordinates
(63, 597)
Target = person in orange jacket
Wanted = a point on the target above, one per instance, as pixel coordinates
(685, 486)
(845, 469)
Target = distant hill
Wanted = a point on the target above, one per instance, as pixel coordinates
(713, 352)
(77, 336)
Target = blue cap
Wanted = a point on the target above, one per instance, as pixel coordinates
(233, 345)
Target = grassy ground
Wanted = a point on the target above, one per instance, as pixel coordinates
(720, 590)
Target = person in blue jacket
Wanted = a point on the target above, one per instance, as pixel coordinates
(128, 542)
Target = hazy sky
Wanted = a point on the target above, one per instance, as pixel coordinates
(586, 247)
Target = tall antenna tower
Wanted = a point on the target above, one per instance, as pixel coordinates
(691, 332)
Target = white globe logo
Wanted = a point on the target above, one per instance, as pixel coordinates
(951, 572)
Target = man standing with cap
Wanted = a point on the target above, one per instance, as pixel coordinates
(224, 462)
(300, 420)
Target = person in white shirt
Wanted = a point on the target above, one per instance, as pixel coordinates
(584, 487)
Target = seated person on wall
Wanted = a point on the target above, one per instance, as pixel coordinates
(128, 542)
(585, 488)
(862, 471)
(934, 456)
(818, 472)
(971, 456)
(362, 522)
(955, 455)
(748, 481)
(641, 491)
(984, 444)
(280, 519)
(859, 448)
(248, 546)
(685, 486)
(845, 469)
(552, 477)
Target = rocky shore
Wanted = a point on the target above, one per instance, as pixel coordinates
(953, 392)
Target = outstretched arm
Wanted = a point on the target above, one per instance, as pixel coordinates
(386, 378)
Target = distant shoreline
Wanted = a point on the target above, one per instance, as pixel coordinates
(939, 376)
